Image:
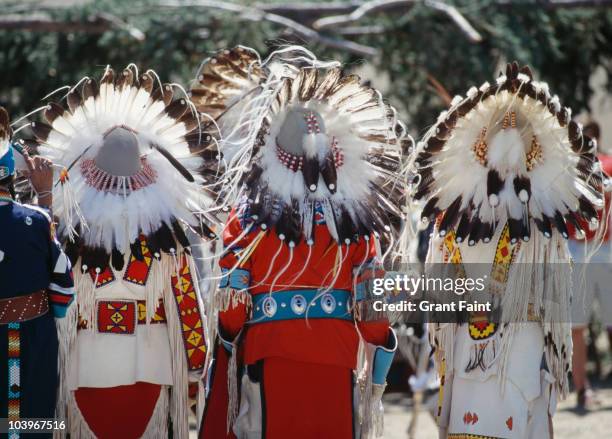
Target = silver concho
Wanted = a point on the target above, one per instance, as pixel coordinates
(298, 304)
(328, 303)
(269, 306)
(28, 220)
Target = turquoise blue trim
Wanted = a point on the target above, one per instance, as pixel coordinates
(59, 311)
(7, 163)
(383, 357)
(301, 304)
(236, 279)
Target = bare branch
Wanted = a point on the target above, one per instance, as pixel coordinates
(40, 23)
(376, 6)
(361, 30)
(117, 22)
(304, 20)
(308, 34)
(310, 10)
(558, 4)
(97, 24)
(459, 19)
(315, 37)
(363, 10)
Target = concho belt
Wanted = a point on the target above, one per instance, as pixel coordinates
(301, 304)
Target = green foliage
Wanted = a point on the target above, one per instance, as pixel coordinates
(563, 46)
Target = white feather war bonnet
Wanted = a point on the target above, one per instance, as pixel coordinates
(507, 161)
(129, 151)
(299, 135)
(508, 153)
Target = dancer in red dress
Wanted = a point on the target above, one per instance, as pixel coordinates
(313, 174)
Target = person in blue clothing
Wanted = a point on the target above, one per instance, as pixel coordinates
(36, 291)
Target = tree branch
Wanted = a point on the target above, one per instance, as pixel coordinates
(40, 23)
(309, 10)
(376, 6)
(304, 20)
(96, 24)
(253, 14)
(361, 30)
(117, 22)
(313, 36)
(558, 4)
(456, 16)
(369, 7)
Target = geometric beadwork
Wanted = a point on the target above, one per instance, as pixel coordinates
(105, 277)
(504, 254)
(14, 374)
(469, 436)
(158, 317)
(453, 254)
(479, 326)
(137, 272)
(116, 317)
(295, 163)
(189, 315)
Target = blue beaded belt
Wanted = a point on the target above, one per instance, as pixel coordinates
(301, 304)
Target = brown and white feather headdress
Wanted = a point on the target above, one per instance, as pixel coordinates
(225, 78)
(508, 153)
(102, 212)
(348, 159)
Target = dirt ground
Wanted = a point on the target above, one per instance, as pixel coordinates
(568, 422)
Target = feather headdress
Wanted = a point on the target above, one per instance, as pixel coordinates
(221, 91)
(507, 164)
(225, 78)
(508, 153)
(305, 135)
(127, 147)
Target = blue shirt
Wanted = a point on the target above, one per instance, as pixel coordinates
(31, 259)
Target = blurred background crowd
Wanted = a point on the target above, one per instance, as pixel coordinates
(420, 53)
